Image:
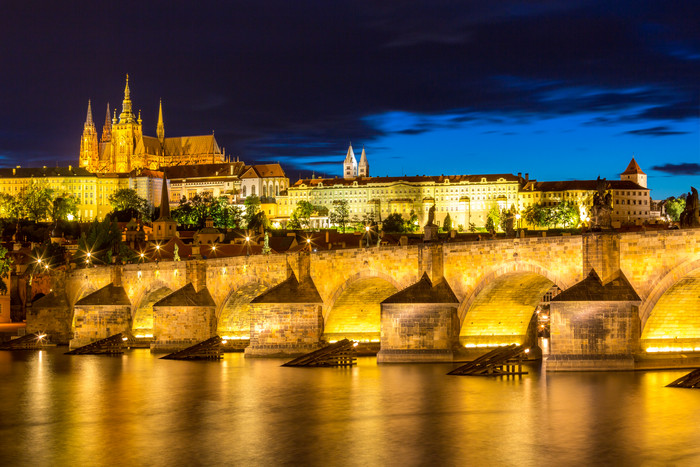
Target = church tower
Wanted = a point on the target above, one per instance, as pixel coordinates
(107, 128)
(89, 151)
(350, 165)
(164, 227)
(363, 167)
(125, 134)
(634, 173)
(160, 130)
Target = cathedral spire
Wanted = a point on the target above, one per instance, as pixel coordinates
(126, 116)
(107, 128)
(88, 119)
(160, 131)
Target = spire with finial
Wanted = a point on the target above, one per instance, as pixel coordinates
(363, 166)
(160, 130)
(88, 119)
(139, 119)
(127, 115)
(350, 164)
(107, 127)
(164, 202)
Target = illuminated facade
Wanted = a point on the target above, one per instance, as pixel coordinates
(630, 196)
(123, 147)
(91, 190)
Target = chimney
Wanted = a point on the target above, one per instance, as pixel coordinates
(527, 177)
(520, 175)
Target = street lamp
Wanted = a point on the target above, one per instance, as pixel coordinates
(247, 245)
(367, 236)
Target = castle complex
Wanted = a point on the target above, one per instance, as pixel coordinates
(123, 147)
(467, 199)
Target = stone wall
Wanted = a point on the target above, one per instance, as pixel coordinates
(94, 322)
(593, 335)
(178, 327)
(418, 332)
(284, 329)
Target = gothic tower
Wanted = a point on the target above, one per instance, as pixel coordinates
(160, 130)
(363, 167)
(107, 128)
(89, 151)
(350, 164)
(125, 134)
(634, 174)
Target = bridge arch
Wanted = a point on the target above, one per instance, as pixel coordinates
(500, 308)
(670, 314)
(353, 310)
(142, 315)
(234, 313)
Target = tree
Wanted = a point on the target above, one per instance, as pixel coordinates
(447, 223)
(101, 243)
(62, 206)
(394, 223)
(412, 224)
(493, 219)
(674, 208)
(259, 221)
(37, 198)
(301, 216)
(340, 215)
(11, 206)
(252, 207)
(126, 200)
(5, 267)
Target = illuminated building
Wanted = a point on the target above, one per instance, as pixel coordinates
(466, 198)
(123, 147)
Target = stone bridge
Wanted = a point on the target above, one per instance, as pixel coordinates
(626, 297)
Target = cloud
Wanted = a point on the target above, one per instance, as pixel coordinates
(685, 168)
(413, 131)
(655, 131)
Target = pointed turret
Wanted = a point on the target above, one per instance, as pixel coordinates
(88, 119)
(107, 127)
(127, 115)
(160, 130)
(88, 143)
(164, 202)
(350, 164)
(164, 227)
(634, 173)
(363, 166)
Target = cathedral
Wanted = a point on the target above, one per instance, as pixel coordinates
(123, 147)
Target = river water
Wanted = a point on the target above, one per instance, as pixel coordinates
(138, 410)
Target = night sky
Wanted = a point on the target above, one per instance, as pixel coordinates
(560, 89)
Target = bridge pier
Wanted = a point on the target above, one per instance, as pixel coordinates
(419, 324)
(182, 319)
(101, 314)
(595, 326)
(288, 318)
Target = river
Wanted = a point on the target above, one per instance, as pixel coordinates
(138, 410)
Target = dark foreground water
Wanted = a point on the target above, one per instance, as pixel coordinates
(138, 410)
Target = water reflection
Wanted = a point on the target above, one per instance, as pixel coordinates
(138, 410)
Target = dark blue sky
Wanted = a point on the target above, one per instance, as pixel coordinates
(560, 89)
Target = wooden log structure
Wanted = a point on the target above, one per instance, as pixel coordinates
(112, 345)
(32, 341)
(690, 381)
(341, 353)
(503, 361)
(209, 349)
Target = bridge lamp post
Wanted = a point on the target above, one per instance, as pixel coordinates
(87, 259)
(247, 245)
(308, 243)
(517, 218)
(367, 236)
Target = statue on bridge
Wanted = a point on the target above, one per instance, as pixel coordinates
(690, 217)
(431, 216)
(601, 211)
(430, 230)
